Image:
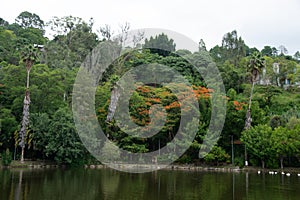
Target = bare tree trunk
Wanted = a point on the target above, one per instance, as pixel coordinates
(27, 82)
(248, 119)
(248, 115)
(25, 119)
(115, 94)
(263, 164)
(22, 154)
(281, 162)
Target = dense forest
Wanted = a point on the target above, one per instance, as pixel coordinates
(36, 82)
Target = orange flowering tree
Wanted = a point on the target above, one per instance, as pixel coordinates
(146, 96)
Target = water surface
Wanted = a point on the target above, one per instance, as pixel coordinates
(104, 184)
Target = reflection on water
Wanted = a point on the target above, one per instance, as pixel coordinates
(107, 184)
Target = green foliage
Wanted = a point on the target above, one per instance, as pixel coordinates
(110, 152)
(285, 104)
(183, 52)
(74, 39)
(50, 89)
(234, 123)
(233, 48)
(185, 159)
(29, 54)
(265, 95)
(231, 94)
(63, 143)
(286, 142)
(293, 122)
(217, 155)
(232, 76)
(6, 158)
(268, 145)
(3, 22)
(8, 41)
(258, 114)
(160, 44)
(272, 163)
(276, 121)
(27, 19)
(8, 125)
(256, 63)
(30, 36)
(267, 51)
(39, 126)
(239, 161)
(51, 129)
(297, 55)
(258, 142)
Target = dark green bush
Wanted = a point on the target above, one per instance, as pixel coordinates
(239, 161)
(6, 158)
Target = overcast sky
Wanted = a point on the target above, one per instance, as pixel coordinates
(258, 22)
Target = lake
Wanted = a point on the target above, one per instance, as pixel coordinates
(85, 184)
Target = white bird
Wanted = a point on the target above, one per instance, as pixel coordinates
(298, 174)
(282, 173)
(258, 172)
(275, 172)
(288, 174)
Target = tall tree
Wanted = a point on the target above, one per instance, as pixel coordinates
(267, 51)
(74, 38)
(258, 140)
(160, 44)
(63, 25)
(106, 32)
(274, 51)
(28, 55)
(7, 48)
(233, 47)
(27, 19)
(285, 142)
(3, 22)
(256, 63)
(297, 55)
(283, 50)
(63, 142)
(202, 46)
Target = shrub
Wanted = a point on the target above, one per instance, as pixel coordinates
(6, 158)
(239, 161)
(216, 156)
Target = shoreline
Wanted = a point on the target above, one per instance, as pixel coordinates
(179, 167)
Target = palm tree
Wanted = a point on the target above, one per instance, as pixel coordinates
(256, 63)
(28, 55)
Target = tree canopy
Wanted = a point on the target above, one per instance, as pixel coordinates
(272, 137)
